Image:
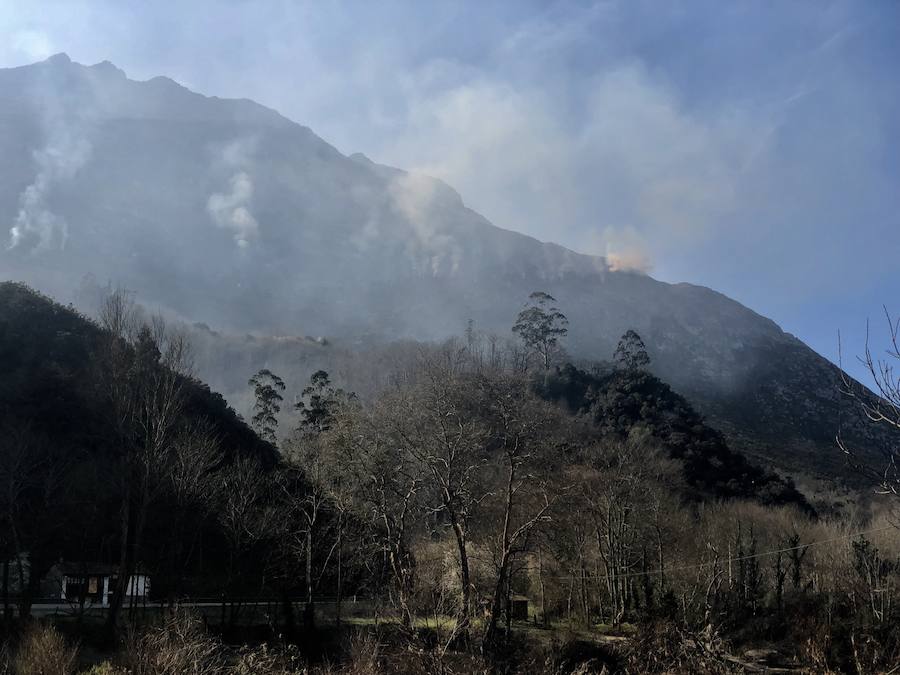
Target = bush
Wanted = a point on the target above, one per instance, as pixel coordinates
(43, 651)
(269, 661)
(179, 645)
(105, 668)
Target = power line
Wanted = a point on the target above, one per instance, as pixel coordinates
(751, 556)
(680, 568)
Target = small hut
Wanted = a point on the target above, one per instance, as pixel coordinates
(518, 608)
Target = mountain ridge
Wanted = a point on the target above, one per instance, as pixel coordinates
(227, 213)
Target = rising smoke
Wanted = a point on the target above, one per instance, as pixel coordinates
(418, 199)
(231, 210)
(36, 226)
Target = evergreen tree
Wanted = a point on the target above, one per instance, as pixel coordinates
(541, 325)
(267, 388)
(317, 407)
(631, 354)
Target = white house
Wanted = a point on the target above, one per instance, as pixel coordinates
(93, 582)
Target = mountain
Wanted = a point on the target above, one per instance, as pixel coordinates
(224, 212)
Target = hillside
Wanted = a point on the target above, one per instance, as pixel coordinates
(47, 383)
(224, 212)
(618, 402)
(74, 469)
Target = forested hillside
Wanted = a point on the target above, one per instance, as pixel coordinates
(623, 401)
(478, 478)
(108, 444)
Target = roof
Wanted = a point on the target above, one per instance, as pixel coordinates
(91, 569)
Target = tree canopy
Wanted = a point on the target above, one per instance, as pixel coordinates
(540, 325)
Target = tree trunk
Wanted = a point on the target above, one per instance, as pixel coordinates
(465, 580)
(340, 578)
(541, 582)
(490, 636)
(309, 615)
(7, 614)
(288, 609)
(115, 606)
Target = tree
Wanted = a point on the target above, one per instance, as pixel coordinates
(524, 468)
(631, 354)
(384, 483)
(540, 325)
(142, 375)
(35, 509)
(882, 408)
(441, 424)
(317, 407)
(195, 455)
(267, 388)
(244, 513)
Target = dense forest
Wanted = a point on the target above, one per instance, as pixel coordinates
(492, 508)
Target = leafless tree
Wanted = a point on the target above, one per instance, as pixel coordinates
(387, 484)
(32, 508)
(246, 513)
(143, 370)
(196, 453)
(525, 468)
(439, 425)
(883, 408)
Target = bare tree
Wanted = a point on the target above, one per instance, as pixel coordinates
(386, 484)
(143, 370)
(525, 466)
(883, 408)
(33, 500)
(440, 425)
(245, 511)
(196, 453)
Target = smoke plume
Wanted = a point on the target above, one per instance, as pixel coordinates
(36, 225)
(231, 210)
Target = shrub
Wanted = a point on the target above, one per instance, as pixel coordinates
(43, 651)
(179, 645)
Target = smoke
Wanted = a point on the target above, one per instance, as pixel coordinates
(34, 45)
(625, 250)
(231, 210)
(59, 160)
(629, 261)
(418, 199)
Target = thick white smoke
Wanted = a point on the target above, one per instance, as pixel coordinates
(231, 210)
(36, 225)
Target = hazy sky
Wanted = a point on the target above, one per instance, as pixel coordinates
(753, 147)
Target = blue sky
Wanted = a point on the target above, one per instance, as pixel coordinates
(753, 147)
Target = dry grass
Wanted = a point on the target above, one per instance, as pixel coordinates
(43, 651)
(179, 645)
